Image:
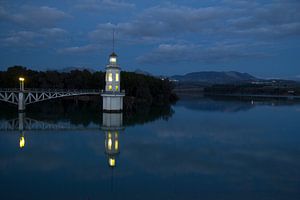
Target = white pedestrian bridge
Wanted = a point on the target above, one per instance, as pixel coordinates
(33, 95)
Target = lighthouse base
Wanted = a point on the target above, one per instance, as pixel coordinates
(112, 102)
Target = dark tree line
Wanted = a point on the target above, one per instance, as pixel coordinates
(257, 89)
(140, 89)
(51, 79)
(148, 89)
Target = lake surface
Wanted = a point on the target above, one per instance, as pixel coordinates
(196, 149)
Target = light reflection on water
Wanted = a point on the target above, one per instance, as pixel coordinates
(207, 149)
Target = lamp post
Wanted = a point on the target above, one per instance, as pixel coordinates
(21, 79)
(21, 103)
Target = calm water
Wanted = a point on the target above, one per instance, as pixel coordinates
(197, 149)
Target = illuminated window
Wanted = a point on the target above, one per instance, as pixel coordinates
(116, 145)
(109, 141)
(110, 77)
(117, 76)
(110, 87)
(117, 88)
(109, 144)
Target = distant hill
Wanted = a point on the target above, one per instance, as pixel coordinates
(297, 78)
(69, 69)
(212, 77)
(139, 71)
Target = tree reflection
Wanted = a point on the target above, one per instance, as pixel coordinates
(84, 113)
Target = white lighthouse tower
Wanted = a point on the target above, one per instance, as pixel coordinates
(112, 96)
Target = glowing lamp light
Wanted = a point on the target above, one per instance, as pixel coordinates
(21, 79)
(22, 142)
(112, 162)
(112, 59)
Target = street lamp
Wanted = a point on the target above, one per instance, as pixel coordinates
(21, 79)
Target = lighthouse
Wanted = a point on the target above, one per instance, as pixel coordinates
(112, 95)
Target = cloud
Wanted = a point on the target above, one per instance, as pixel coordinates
(21, 38)
(231, 19)
(274, 31)
(35, 26)
(79, 49)
(172, 28)
(216, 32)
(187, 53)
(160, 23)
(103, 32)
(166, 21)
(103, 5)
(34, 38)
(29, 16)
(277, 19)
(54, 32)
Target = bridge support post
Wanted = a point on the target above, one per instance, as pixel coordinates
(21, 102)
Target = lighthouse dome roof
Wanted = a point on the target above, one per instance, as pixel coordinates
(113, 54)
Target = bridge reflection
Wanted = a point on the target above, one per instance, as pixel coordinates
(23, 123)
(112, 126)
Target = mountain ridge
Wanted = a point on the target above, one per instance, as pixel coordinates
(215, 77)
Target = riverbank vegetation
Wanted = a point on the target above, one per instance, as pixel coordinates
(140, 89)
(277, 89)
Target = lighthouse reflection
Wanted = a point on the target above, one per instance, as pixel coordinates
(112, 126)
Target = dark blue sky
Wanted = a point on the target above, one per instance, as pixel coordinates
(172, 37)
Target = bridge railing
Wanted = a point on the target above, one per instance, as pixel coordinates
(9, 89)
(62, 90)
(51, 90)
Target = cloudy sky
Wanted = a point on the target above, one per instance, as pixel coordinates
(171, 37)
